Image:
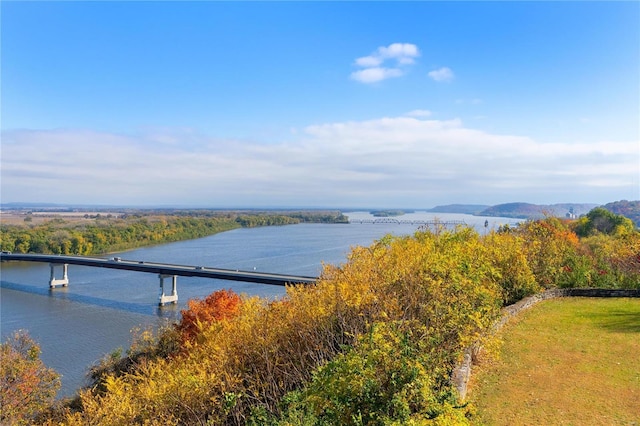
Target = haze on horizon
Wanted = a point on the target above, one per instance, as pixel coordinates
(319, 104)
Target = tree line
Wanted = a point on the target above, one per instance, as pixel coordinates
(105, 235)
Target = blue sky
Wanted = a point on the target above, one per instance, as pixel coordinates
(320, 104)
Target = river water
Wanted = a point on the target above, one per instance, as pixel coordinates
(77, 325)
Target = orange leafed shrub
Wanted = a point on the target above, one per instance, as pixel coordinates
(219, 305)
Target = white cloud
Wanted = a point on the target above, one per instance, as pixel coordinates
(402, 53)
(372, 75)
(369, 61)
(402, 161)
(442, 74)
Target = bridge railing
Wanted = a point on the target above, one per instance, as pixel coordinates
(164, 270)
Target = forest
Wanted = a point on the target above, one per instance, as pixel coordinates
(102, 235)
(373, 342)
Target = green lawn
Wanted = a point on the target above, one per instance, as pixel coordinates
(569, 361)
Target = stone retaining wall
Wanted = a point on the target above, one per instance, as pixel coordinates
(462, 373)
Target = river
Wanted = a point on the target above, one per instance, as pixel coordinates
(77, 325)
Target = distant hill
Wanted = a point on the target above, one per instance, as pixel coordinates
(516, 210)
(630, 209)
(535, 211)
(459, 208)
(519, 210)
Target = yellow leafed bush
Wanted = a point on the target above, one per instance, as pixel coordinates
(443, 286)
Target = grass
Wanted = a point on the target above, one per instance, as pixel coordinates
(570, 361)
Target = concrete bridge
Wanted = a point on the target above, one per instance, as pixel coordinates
(164, 271)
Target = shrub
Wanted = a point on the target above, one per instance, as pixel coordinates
(27, 386)
(147, 346)
(513, 274)
(615, 260)
(549, 244)
(447, 282)
(387, 378)
(218, 305)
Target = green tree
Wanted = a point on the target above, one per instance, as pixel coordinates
(23, 243)
(601, 220)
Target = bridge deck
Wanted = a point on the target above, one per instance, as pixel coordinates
(164, 268)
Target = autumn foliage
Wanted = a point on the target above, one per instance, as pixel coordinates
(219, 305)
(432, 294)
(548, 245)
(374, 341)
(26, 385)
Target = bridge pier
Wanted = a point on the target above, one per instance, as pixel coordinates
(64, 281)
(173, 298)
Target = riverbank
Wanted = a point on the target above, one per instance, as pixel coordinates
(98, 234)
